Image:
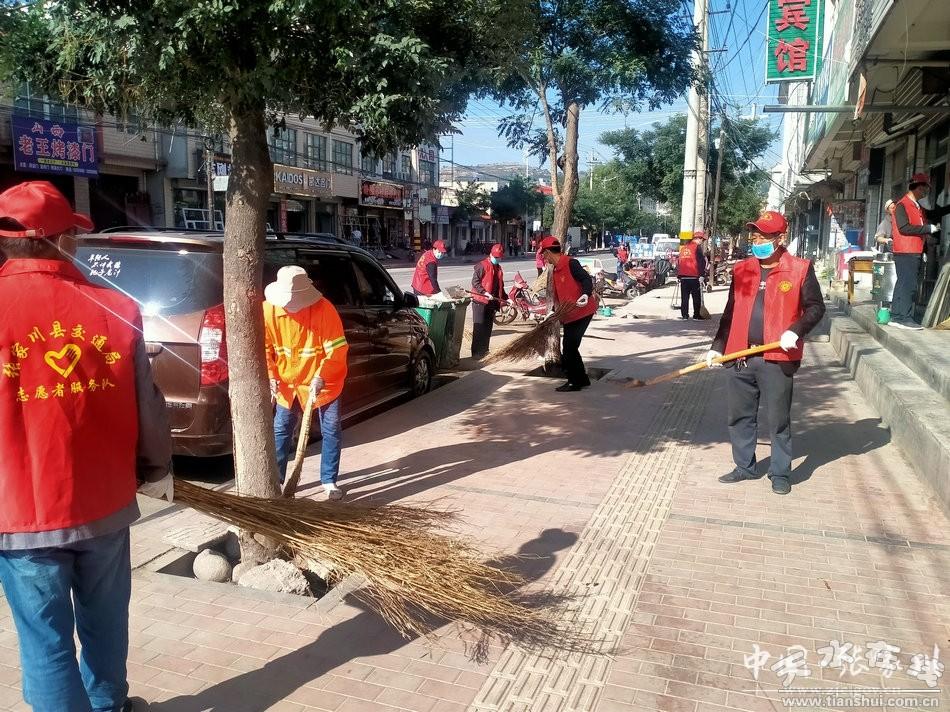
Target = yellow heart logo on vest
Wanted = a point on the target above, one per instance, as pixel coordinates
(785, 286)
(64, 361)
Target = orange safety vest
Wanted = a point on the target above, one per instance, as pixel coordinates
(783, 303)
(420, 278)
(568, 290)
(68, 404)
(303, 345)
(908, 244)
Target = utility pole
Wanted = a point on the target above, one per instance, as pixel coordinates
(593, 163)
(697, 134)
(715, 209)
(209, 172)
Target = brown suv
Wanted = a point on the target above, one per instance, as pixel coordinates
(176, 278)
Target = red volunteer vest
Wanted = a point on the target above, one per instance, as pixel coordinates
(622, 255)
(420, 279)
(783, 306)
(908, 244)
(68, 407)
(568, 290)
(489, 277)
(688, 266)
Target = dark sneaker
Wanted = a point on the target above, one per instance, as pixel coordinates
(568, 388)
(737, 476)
(135, 704)
(781, 485)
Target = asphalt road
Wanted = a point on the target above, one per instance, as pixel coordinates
(461, 275)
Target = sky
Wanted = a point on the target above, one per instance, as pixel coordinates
(737, 25)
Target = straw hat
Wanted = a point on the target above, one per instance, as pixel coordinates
(293, 289)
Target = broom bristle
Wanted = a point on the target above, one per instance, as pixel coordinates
(532, 343)
(416, 577)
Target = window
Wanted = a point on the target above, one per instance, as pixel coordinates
(368, 165)
(315, 151)
(332, 275)
(427, 172)
(130, 123)
(283, 146)
(405, 168)
(389, 165)
(374, 287)
(41, 106)
(343, 157)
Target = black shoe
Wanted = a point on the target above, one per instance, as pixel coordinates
(568, 388)
(585, 383)
(135, 704)
(737, 476)
(781, 485)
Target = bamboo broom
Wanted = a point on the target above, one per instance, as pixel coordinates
(637, 383)
(532, 342)
(290, 489)
(415, 577)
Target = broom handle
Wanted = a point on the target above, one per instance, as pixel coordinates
(727, 357)
(290, 488)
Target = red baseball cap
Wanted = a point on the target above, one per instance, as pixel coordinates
(549, 242)
(920, 179)
(440, 246)
(700, 234)
(769, 223)
(497, 250)
(41, 209)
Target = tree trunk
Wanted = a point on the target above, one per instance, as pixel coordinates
(249, 189)
(565, 205)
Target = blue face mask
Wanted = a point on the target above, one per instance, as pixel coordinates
(439, 255)
(763, 251)
(494, 260)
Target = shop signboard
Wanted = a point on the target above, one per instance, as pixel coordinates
(793, 44)
(831, 85)
(382, 195)
(300, 181)
(52, 147)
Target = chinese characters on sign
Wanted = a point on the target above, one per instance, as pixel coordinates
(383, 195)
(794, 39)
(51, 147)
(45, 364)
(300, 181)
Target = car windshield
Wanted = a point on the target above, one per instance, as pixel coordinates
(164, 281)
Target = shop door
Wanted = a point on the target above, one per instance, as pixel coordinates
(107, 199)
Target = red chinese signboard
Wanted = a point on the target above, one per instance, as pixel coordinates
(382, 195)
(794, 40)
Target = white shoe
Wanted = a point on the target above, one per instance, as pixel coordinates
(333, 492)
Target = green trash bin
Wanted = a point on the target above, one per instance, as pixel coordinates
(437, 317)
(456, 332)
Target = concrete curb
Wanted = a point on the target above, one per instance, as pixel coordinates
(918, 417)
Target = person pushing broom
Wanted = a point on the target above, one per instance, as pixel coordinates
(774, 297)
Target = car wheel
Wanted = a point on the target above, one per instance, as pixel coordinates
(506, 314)
(420, 375)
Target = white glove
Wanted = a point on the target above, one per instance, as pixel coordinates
(163, 489)
(317, 384)
(582, 302)
(788, 340)
(273, 392)
(710, 355)
(934, 229)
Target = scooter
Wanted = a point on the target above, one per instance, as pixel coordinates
(522, 301)
(622, 288)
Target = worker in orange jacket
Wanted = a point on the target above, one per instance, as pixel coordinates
(306, 351)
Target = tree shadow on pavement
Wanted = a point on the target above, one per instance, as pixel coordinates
(362, 636)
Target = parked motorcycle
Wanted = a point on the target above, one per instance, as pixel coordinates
(523, 302)
(624, 287)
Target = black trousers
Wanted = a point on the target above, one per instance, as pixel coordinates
(689, 287)
(483, 319)
(571, 360)
(907, 267)
(762, 380)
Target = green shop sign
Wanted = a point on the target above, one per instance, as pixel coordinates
(794, 40)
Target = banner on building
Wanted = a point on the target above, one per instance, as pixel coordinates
(53, 147)
(300, 181)
(794, 40)
(383, 195)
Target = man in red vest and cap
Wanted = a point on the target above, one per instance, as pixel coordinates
(690, 268)
(912, 226)
(81, 426)
(488, 294)
(572, 284)
(425, 280)
(774, 297)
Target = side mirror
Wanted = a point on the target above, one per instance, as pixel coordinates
(410, 299)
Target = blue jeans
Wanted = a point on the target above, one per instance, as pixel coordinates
(42, 586)
(286, 421)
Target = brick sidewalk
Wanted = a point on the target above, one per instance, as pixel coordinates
(613, 495)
